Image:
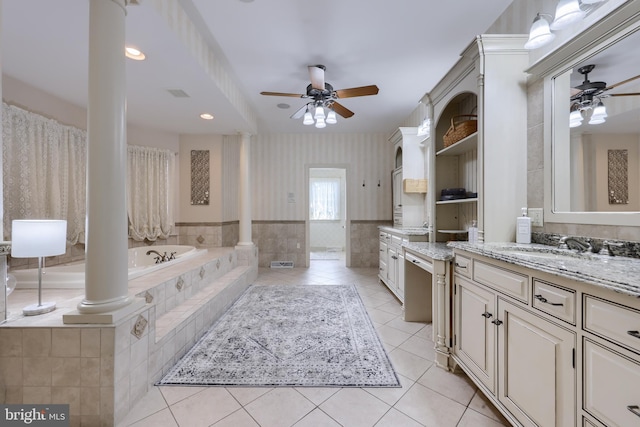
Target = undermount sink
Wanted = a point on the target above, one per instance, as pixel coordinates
(543, 252)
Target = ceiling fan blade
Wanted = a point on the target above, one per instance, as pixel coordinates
(340, 109)
(622, 82)
(316, 74)
(294, 95)
(357, 91)
(300, 112)
(625, 94)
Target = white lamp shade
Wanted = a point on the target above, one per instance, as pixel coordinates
(308, 119)
(567, 12)
(31, 238)
(599, 114)
(540, 34)
(319, 114)
(331, 117)
(575, 118)
(320, 123)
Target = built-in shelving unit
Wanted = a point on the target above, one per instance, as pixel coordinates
(488, 81)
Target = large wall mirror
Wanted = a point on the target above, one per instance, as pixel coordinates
(593, 138)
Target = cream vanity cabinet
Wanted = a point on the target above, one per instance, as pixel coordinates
(391, 262)
(488, 81)
(546, 350)
(511, 350)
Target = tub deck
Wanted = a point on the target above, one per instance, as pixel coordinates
(181, 302)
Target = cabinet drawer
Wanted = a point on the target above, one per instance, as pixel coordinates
(613, 322)
(462, 265)
(384, 236)
(554, 300)
(397, 241)
(503, 280)
(612, 386)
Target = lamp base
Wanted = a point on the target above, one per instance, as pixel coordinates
(35, 309)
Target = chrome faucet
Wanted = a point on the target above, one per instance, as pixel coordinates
(567, 242)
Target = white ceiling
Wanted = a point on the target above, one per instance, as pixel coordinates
(404, 47)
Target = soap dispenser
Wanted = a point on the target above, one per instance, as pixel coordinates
(523, 228)
(473, 232)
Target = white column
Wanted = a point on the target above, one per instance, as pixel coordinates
(106, 283)
(245, 190)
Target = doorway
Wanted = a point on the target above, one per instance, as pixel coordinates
(327, 220)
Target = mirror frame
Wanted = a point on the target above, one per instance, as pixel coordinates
(612, 28)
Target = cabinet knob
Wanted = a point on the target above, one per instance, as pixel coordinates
(486, 314)
(635, 409)
(497, 322)
(634, 334)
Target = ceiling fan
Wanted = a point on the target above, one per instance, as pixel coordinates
(585, 93)
(322, 94)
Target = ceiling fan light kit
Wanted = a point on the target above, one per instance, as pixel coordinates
(324, 97)
(588, 98)
(567, 13)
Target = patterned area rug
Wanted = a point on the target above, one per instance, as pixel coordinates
(285, 335)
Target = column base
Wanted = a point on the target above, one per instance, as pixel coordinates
(107, 313)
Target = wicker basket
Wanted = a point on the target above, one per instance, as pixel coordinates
(462, 126)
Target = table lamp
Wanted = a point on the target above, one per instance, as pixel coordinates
(31, 238)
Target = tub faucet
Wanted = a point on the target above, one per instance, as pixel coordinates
(567, 242)
(160, 257)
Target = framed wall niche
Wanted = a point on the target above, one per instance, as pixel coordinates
(200, 179)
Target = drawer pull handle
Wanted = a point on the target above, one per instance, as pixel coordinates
(634, 334)
(460, 265)
(415, 261)
(635, 409)
(486, 314)
(544, 300)
(497, 322)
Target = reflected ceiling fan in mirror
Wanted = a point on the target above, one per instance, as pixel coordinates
(324, 97)
(588, 96)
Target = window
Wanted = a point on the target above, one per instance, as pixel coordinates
(324, 199)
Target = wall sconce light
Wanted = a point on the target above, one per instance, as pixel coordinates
(31, 238)
(567, 13)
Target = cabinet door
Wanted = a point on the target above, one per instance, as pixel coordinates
(612, 386)
(474, 332)
(392, 266)
(397, 190)
(537, 375)
(400, 275)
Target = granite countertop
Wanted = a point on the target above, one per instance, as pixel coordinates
(406, 231)
(619, 274)
(436, 251)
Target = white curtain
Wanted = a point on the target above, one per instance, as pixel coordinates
(324, 198)
(150, 192)
(44, 170)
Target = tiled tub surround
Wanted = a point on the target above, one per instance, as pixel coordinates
(617, 273)
(103, 370)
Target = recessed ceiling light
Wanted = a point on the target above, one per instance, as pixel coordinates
(246, 1)
(283, 106)
(133, 53)
(206, 116)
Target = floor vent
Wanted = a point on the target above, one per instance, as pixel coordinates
(281, 264)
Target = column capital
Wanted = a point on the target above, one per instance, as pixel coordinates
(244, 134)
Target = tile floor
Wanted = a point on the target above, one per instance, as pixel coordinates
(429, 395)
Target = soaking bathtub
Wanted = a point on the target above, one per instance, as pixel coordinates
(70, 276)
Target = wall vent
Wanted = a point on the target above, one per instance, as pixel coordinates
(281, 264)
(178, 93)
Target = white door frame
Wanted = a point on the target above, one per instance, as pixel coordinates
(347, 218)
